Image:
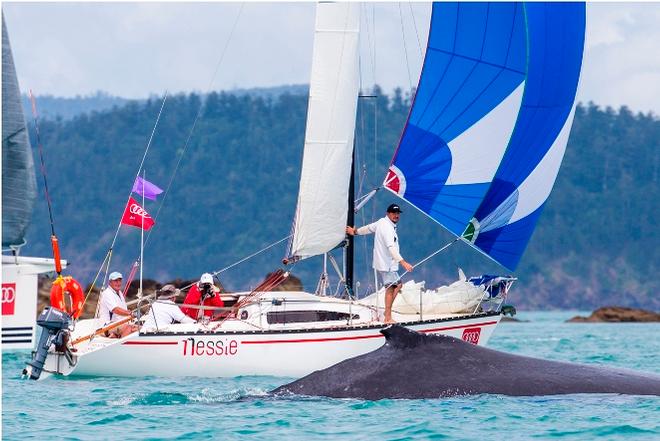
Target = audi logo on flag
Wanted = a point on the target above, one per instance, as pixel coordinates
(136, 209)
(471, 335)
(8, 298)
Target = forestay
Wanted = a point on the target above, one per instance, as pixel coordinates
(490, 119)
(321, 212)
(19, 185)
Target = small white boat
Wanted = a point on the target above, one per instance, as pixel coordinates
(280, 333)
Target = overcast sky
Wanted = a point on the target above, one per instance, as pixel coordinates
(137, 49)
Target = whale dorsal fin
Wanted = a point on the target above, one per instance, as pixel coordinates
(400, 337)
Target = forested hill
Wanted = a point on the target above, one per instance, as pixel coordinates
(51, 107)
(235, 189)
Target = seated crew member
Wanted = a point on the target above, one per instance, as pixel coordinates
(113, 307)
(202, 293)
(164, 311)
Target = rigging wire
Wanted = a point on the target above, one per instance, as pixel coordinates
(165, 193)
(108, 257)
(197, 117)
(238, 262)
(419, 42)
(144, 157)
(405, 49)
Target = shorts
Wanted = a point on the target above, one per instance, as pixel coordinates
(389, 278)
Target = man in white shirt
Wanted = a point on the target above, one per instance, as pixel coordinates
(386, 257)
(164, 311)
(113, 307)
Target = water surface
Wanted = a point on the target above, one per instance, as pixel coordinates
(239, 408)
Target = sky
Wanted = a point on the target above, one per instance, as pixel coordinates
(135, 50)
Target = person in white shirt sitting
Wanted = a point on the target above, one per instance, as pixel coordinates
(164, 311)
(113, 307)
(386, 258)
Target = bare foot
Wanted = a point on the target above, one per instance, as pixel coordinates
(388, 321)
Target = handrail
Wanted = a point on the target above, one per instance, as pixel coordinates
(101, 330)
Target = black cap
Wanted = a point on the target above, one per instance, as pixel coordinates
(394, 208)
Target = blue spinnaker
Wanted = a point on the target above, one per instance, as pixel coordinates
(508, 214)
(490, 119)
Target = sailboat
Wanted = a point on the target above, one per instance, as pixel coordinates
(19, 189)
(479, 155)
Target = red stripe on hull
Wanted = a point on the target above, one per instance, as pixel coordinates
(310, 340)
(458, 327)
(358, 337)
(151, 343)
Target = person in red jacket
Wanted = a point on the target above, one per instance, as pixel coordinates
(202, 293)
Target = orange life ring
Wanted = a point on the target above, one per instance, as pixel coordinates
(67, 284)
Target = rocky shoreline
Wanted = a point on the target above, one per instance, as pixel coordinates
(617, 314)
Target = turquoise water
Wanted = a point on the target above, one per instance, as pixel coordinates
(239, 408)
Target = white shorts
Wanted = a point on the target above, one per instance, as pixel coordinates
(389, 278)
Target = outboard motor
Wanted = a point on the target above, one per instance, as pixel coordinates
(55, 324)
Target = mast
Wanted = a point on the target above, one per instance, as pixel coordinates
(350, 220)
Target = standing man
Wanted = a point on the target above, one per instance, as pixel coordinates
(386, 258)
(164, 311)
(113, 307)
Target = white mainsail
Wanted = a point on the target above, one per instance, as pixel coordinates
(321, 213)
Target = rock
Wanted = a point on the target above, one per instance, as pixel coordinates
(617, 314)
(512, 319)
(291, 283)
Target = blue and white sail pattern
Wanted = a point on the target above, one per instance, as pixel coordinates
(508, 214)
(490, 120)
(465, 108)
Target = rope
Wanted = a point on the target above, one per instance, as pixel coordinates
(444, 247)
(272, 281)
(98, 273)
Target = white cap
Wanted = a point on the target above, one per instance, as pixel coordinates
(115, 275)
(206, 278)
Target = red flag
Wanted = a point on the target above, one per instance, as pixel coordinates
(134, 215)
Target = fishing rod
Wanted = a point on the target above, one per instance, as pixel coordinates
(53, 237)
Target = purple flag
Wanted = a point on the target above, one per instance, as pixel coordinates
(150, 190)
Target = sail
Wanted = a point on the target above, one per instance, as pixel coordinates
(506, 217)
(322, 208)
(492, 74)
(464, 111)
(19, 186)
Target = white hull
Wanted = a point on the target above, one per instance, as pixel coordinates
(291, 353)
(19, 298)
